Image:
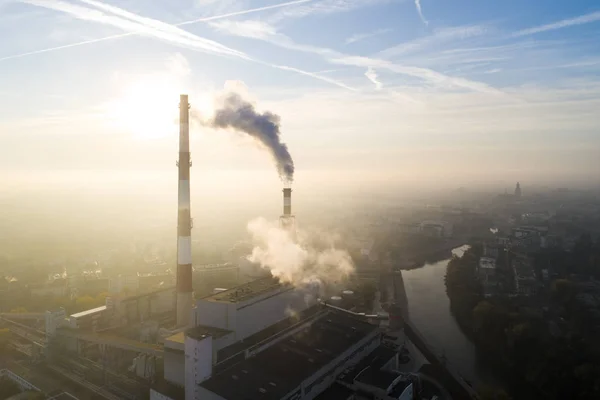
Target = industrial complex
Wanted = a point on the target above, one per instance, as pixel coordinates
(263, 339)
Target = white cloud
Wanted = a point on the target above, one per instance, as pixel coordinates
(420, 11)
(248, 28)
(372, 76)
(362, 36)
(582, 19)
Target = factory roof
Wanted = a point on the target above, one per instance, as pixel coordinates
(89, 312)
(168, 389)
(148, 294)
(378, 378)
(376, 360)
(266, 333)
(336, 392)
(245, 291)
(201, 331)
(282, 367)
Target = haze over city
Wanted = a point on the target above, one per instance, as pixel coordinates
(439, 168)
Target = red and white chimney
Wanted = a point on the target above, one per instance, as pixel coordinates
(185, 295)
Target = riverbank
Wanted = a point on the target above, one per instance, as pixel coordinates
(514, 338)
(429, 310)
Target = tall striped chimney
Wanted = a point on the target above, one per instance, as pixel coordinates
(287, 220)
(287, 202)
(184, 222)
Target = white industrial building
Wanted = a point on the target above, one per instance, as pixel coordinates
(247, 344)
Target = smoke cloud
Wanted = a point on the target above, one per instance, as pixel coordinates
(302, 260)
(235, 112)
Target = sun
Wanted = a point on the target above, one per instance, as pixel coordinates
(147, 108)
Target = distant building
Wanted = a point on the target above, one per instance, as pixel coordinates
(120, 283)
(518, 190)
(486, 274)
(490, 250)
(57, 287)
(525, 283)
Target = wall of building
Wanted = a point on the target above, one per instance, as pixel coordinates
(215, 314)
(205, 394)
(198, 365)
(54, 319)
(163, 301)
(154, 395)
(174, 366)
(259, 315)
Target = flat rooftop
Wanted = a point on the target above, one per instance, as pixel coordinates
(201, 331)
(266, 333)
(282, 367)
(336, 392)
(246, 291)
(375, 361)
(89, 312)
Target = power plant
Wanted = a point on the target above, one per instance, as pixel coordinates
(264, 339)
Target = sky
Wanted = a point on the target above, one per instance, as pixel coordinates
(376, 91)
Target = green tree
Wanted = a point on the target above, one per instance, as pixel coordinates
(562, 290)
(85, 303)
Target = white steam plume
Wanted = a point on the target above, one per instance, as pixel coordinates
(299, 261)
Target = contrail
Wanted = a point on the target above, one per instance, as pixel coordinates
(136, 24)
(122, 35)
(239, 114)
(420, 11)
(145, 28)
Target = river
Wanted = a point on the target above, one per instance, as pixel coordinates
(429, 310)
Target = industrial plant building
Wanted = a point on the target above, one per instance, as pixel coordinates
(264, 339)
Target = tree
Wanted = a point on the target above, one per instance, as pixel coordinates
(101, 298)
(85, 303)
(563, 290)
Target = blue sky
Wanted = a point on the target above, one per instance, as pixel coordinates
(408, 90)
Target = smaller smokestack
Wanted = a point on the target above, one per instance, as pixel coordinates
(287, 202)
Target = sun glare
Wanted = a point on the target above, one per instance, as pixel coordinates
(147, 108)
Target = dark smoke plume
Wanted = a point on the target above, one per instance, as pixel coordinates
(239, 114)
